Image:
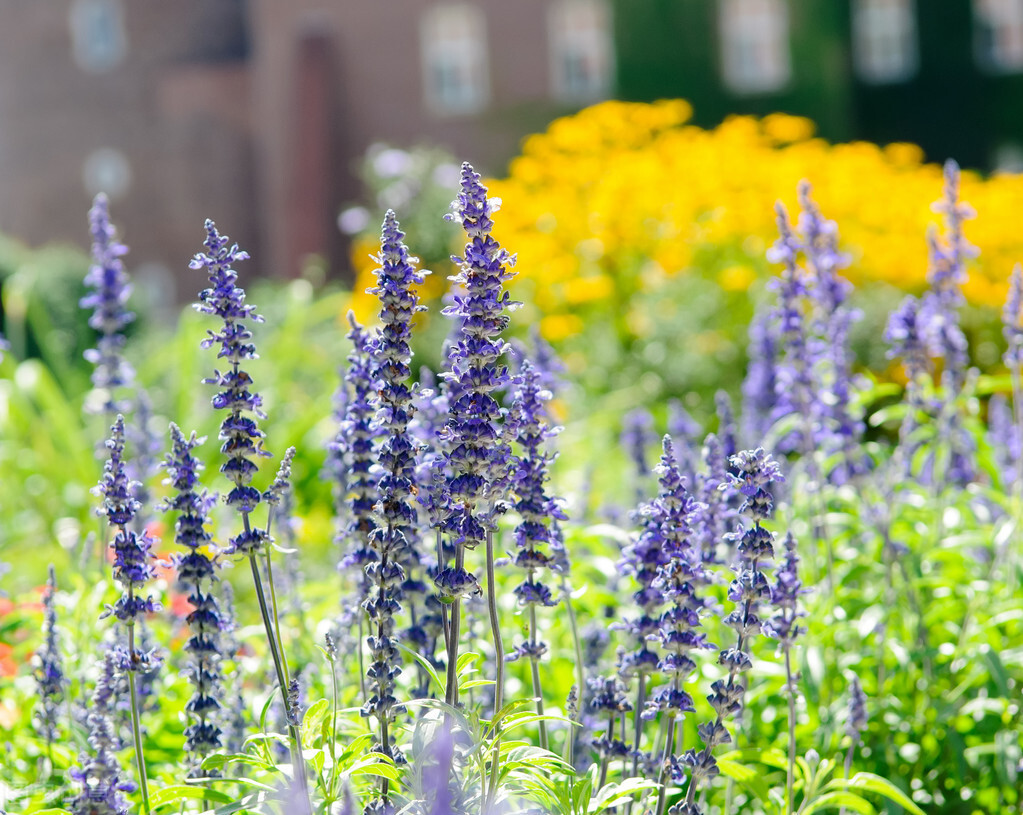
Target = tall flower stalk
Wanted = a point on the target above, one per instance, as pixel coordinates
(51, 681)
(392, 540)
(537, 511)
(108, 299)
(755, 473)
(475, 447)
(103, 789)
(243, 440)
(352, 462)
(784, 627)
(1012, 322)
(196, 575)
(133, 568)
(673, 514)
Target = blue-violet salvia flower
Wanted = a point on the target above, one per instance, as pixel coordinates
(392, 541)
(715, 513)
(476, 449)
(755, 473)
(946, 275)
(100, 773)
(677, 579)
(759, 388)
(356, 443)
(110, 316)
(831, 359)
(1004, 438)
(1012, 321)
(536, 509)
(794, 383)
(133, 557)
(196, 576)
(51, 682)
(239, 431)
(637, 436)
(857, 720)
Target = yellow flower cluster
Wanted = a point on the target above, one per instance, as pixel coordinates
(619, 197)
(613, 199)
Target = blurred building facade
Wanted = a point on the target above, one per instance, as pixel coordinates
(944, 74)
(256, 112)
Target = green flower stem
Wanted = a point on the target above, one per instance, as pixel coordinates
(662, 780)
(135, 726)
(451, 679)
(580, 671)
(790, 791)
(273, 597)
(296, 739)
(638, 731)
(495, 628)
(535, 667)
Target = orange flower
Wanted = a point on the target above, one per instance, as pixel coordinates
(8, 667)
(180, 606)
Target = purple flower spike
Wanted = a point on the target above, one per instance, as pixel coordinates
(536, 509)
(785, 594)
(857, 721)
(755, 472)
(100, 773)
(905, 334)
(241, 436)
(133, 557)
(759, 388)
(946, 275)
(51, 683)
(637, 435)
(393, 555)
(355, 444)
(196, 575)
(676, 580)
(794, 382)
(1012, 320)
(477, 452)
(110, 316)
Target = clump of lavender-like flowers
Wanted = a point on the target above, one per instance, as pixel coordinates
(243, 440)
(100, 774)
(133, 568)
(110, 316)
(196, 575)
(784, 626)
(672, 516)
(536, 510)
(391, 542)
(756, 472)
(51, 681)
(355, 455)
(476, 451)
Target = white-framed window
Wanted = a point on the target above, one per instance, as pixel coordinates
(885, 40)
(99, 41)
(581, 51)
(456, 77)
(998, 35)
(754, 44)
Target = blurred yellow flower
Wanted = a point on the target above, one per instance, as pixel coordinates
(608, 202)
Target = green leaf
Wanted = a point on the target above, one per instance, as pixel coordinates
(425, 663)
(316, 711)
(841, 800)
(186, 792)
(875, 783)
